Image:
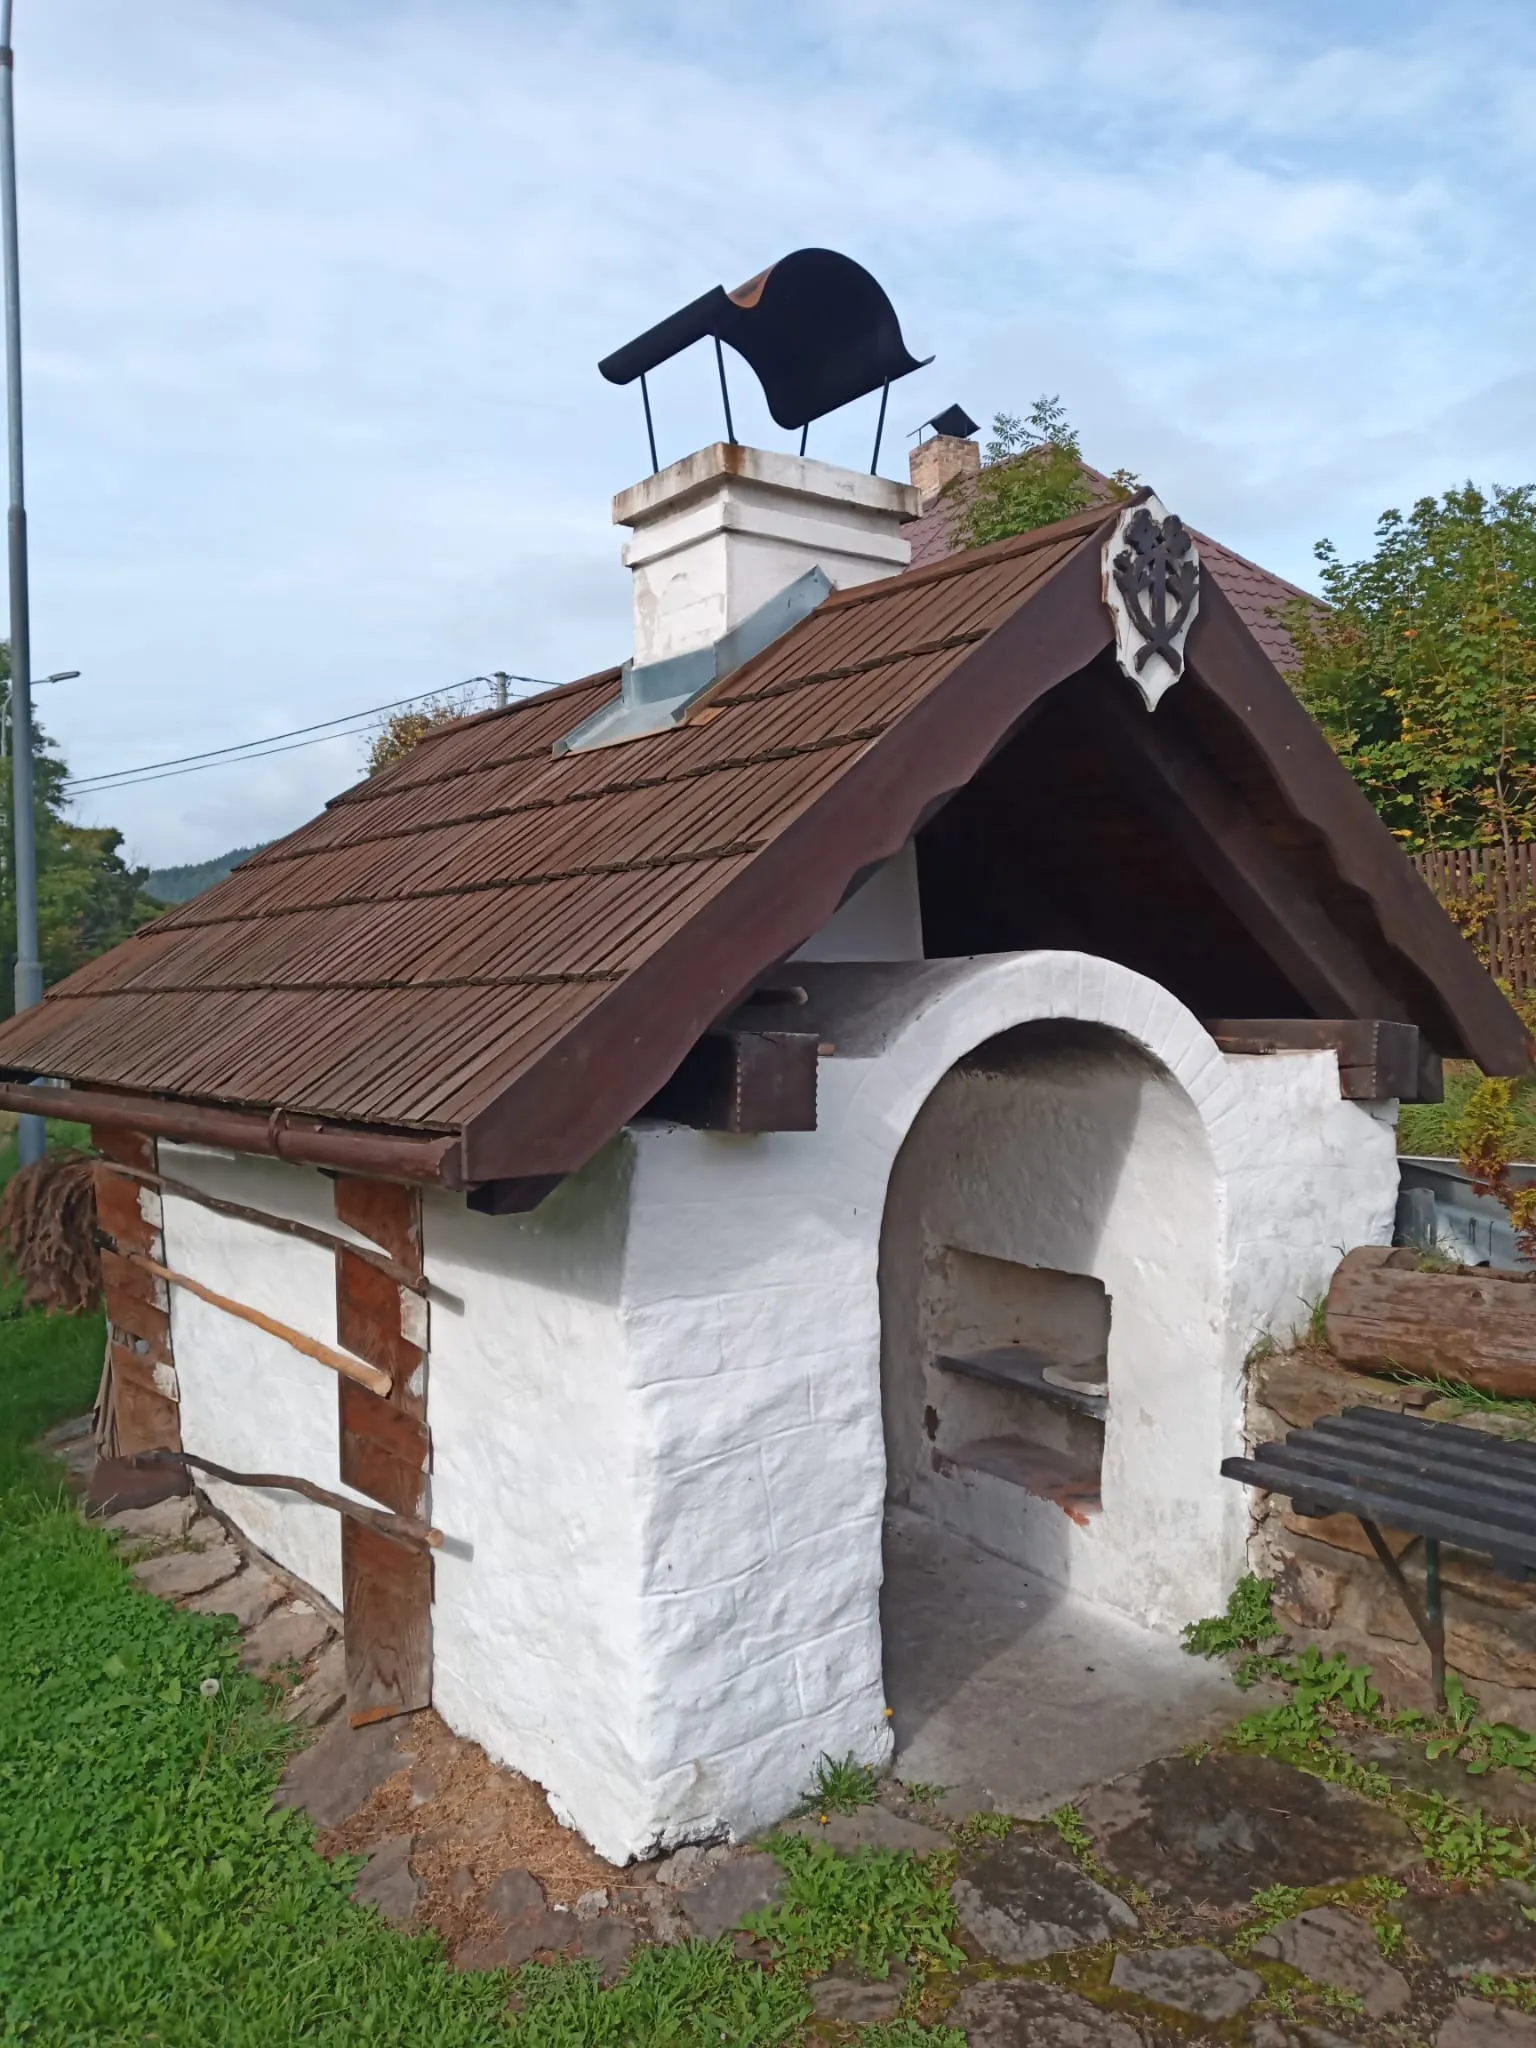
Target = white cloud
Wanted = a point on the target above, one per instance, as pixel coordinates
(314, 297)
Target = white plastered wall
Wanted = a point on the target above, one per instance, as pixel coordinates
(656, 1402)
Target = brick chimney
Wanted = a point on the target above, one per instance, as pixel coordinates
(938, 461)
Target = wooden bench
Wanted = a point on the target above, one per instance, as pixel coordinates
(1437, 1480)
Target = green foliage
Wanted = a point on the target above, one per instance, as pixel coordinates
(181, 884)
(1390, 1937)
(1423, 672)
(978, 1830)
(1248, 1621)
(1463, 1845)
(841, 1787)
(908, 2034)
(1440, 1130)
(88, 898)
(872, 1908)
(1519, 1992)
(1033, 475)
(695, 1995)
(1070, 1826)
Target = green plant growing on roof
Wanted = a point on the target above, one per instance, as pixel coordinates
(1033, 475)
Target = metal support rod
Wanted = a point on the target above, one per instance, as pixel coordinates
(1430, 1621)
(650, 431)
(1436, 1635)
(725, 394)
(885, 392)
(31, 1130)
(499, 681)
(804, 431)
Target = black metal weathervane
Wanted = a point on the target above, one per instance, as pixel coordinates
(816, 327)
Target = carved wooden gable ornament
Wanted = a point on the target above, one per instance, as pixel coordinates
(1152, 589)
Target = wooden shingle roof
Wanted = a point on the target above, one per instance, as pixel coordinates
(512, 950)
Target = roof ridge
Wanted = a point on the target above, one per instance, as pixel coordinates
(966, 561)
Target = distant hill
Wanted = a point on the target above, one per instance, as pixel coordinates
(179, 885)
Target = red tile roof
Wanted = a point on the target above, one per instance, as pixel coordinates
(1257, 594)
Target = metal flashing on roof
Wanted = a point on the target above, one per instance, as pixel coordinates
(661, 693)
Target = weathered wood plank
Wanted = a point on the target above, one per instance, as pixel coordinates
(138, 1318)
(1478, 1327)
(370, 1317)
(384, 1451)
(128, 1148)
(387, 1609)
(146, 1410)
(124, 1279)
(384, 1212)
(120, 1213)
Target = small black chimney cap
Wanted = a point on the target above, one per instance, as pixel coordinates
(815, 326)
(954, 421)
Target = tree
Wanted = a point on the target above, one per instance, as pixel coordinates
(1033, 475)
(398, 734)
(1422, 672)
(88, 898)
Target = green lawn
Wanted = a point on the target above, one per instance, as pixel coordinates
(149, 1893)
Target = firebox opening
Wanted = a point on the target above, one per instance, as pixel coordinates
(1018, 1374)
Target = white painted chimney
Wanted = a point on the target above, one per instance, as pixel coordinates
(717, 535)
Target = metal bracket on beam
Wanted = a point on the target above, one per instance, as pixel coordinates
(744, 1081)
(1379, 1057)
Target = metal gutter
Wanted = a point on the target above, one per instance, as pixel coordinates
(305, 1140)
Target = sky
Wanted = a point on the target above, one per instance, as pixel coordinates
(313, 297)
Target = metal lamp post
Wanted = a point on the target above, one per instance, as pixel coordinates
(31, 1132)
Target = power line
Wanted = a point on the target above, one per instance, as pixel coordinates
(346, 726)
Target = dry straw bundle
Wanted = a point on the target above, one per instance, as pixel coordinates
(48, 1223)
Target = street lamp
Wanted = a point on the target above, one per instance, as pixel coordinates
(60, 675)
(31, 1133)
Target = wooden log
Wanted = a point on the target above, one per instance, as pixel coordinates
(400, 1529)
(1477, 1326)
(350, 1368)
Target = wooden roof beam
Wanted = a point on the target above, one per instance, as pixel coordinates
(1251, 874)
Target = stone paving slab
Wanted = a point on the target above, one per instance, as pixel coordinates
(1216, 1829)
(178, 1574)
(1196, 1980)
(1467, 1931)
(745, 1884)
(871, 1827)
(1478, 2023)
(1332, 1946)
(1020, 2014)
(388, 1882)
(250, 1597)
(332, 1779)
(1021, 1903)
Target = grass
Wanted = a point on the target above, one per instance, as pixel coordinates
(873, 1908)
(841, 1787)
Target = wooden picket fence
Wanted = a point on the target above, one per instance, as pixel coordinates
(1493, 899)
